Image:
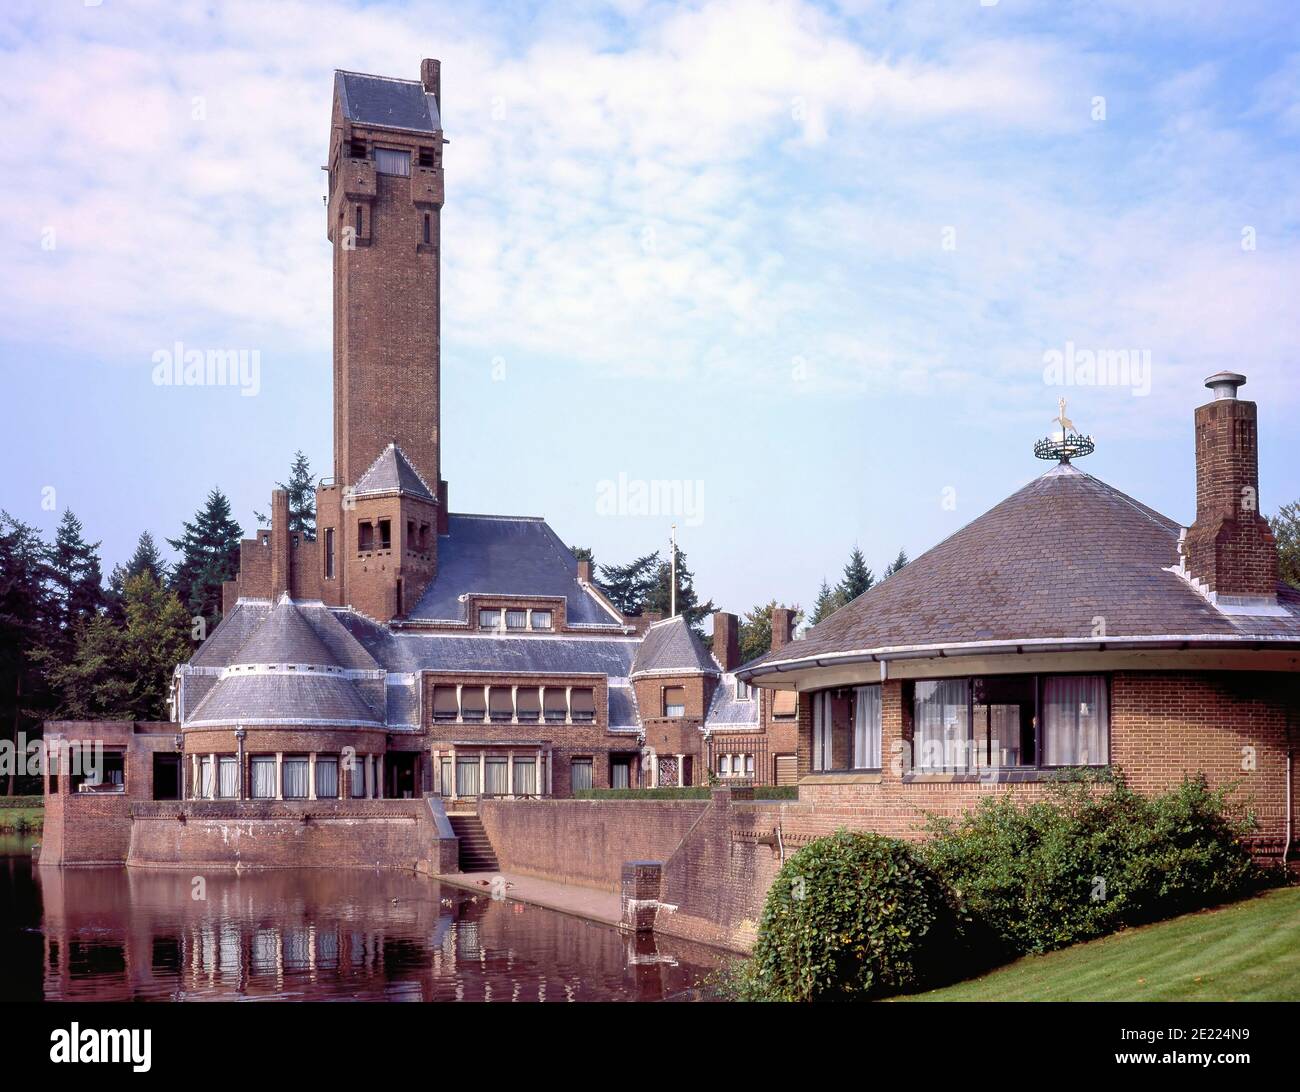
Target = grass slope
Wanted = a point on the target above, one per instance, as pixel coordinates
(1249, 951)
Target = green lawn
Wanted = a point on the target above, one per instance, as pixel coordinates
(22, 818)
(1246, 952)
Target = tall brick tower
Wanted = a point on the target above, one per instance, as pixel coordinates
(379, 519)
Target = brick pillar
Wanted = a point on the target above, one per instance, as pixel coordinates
(640, 888)
(726, 640)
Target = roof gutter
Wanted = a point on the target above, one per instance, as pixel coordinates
(1009, 648)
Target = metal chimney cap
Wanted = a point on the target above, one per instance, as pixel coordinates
(1225, 384)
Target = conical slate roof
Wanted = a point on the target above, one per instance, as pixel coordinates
(670, 647)
(392, 472)
(285, 637)
(1065, 555)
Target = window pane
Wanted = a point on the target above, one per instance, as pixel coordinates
(516, 619)
(497, 773)
(489, 619)
(866, 728)
(1003, 721)
(785, 703)
(263, 777)
(467, 777)
(822, 722)
(1075, 720)
(206, 779)
(581, 773)
(941, 725)
(295, 778)
(541, 619)
(388, 161)
(357, 769)
(228, 785)
(327, 778)
(525, 777)
(674, 701)
(620, 774)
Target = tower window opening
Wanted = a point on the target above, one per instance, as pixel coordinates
(426, 157)
(427, 228)
(359, 220)
(366, 537)
(385, 534)
(424, 537)
(357, 149)
(329, 553)
(393, 161)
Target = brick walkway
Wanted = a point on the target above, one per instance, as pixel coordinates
(582, 902)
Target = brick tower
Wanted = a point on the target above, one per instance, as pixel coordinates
(379, 518)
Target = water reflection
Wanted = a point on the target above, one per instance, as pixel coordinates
(114, 934)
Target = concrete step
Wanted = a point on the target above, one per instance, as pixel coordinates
(476, 851)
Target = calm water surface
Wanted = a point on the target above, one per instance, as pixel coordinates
(311, 934)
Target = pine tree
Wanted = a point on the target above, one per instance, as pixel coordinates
(74, 574)
(857, 577)
(209, 549)
(897, 563)
(1286, 529)
(826, 604)
(28, 622)
(756, 630)
(302, 499)
(147, 558)
(659, 597)
(628, 586)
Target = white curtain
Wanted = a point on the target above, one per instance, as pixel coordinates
(467, 777)
(620, 775)
(229, 781)
(208, 778)
(358, 771)
(263, 770)
(821, 755)
(390, 161)
(941, 725)
(866, 728)
(496, 774)
(581, 774)
(1075, 721)
(327, 778)
(525, 777)
(296, 774)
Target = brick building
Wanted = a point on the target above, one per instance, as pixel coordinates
(1070, 626)
(407, 651)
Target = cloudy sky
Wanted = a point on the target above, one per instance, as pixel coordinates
(809, 262)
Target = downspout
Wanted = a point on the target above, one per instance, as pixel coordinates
(1290, 823)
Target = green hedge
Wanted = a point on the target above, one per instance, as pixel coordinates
(851, 917)
(695, 792)
(22, 801)
(1090, 859)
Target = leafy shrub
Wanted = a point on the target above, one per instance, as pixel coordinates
(689, 792)
(850, 917)
(1091, 859)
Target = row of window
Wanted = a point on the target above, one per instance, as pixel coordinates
(222, 781)
(969, 724)
(514, 704)
(468, 777)
(514, 619)
(391, 160)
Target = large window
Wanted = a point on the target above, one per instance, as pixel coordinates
(262, 770)
(327, 777)
(580, 774)
(516, 619)
(391, 161)
(525, 777)
(620, 772)
(674, 701)
(496, 772)
(1008, 721)
(466, 776)
(584, 705)
(358, 771)
(296, 773)
(541, 619)
(228, 777)
(846, 729)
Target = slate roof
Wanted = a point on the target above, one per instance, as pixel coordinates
(285, 637)
(379, 100)
(728, 711)
(1042, 565)
(297, 697)
(232, 631)
(622, 708)
(670, 647)
(392, 472)
(505, 555)
(412, 650)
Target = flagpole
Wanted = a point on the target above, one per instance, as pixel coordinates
(672, 583)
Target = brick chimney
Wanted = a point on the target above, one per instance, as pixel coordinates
(584, 570)
(1230, 548)
(279, 543)
(726, 640)
(782, 627)
(431, 79)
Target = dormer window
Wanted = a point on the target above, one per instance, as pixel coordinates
(743, 691)
(489, 619)
(392, 161)
(541, 619)
(516, 619)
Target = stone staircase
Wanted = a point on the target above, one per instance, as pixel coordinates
(476, 852)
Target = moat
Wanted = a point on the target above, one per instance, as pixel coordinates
(115, 934)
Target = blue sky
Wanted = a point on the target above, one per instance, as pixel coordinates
(814, 258)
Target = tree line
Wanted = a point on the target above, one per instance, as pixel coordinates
(76, 647)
